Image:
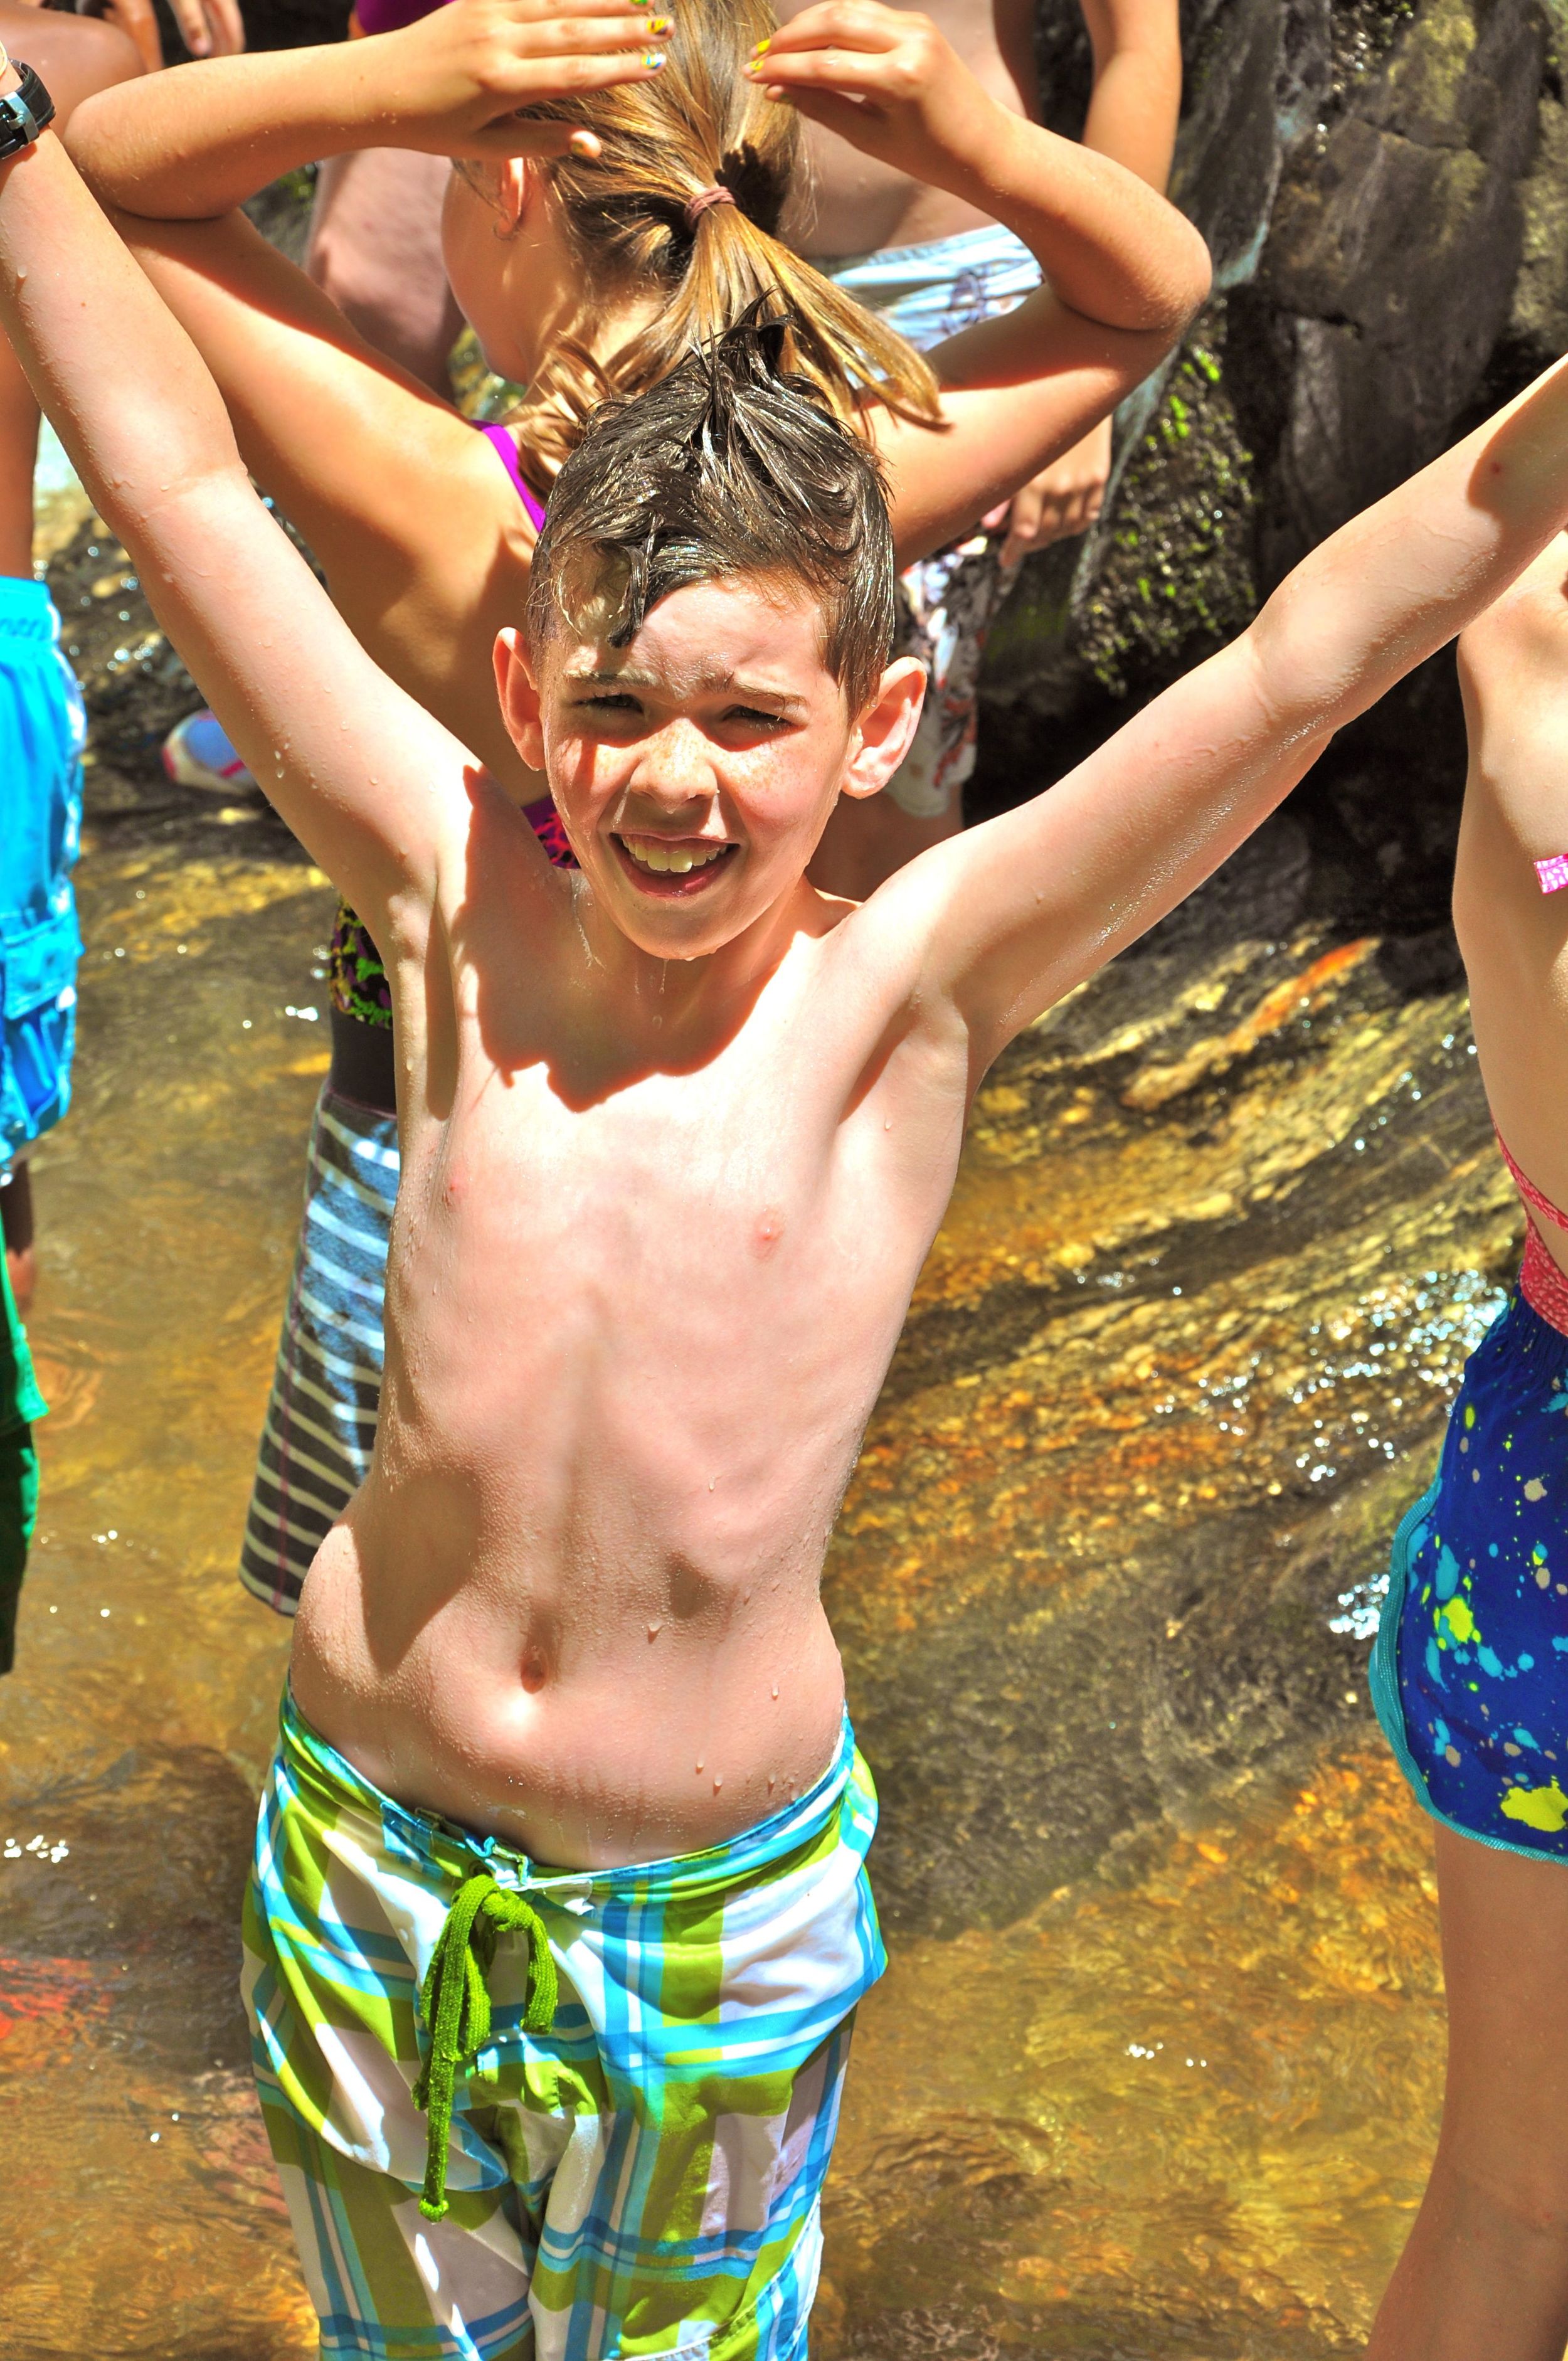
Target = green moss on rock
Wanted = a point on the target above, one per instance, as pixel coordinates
(1176, 578)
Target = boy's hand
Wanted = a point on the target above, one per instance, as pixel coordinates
(452, 84)
(884, 79)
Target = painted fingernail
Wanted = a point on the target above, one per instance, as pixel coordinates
(653, 60)
(661, 24)
(759, 47)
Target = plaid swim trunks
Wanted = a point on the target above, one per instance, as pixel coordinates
(643, 2071)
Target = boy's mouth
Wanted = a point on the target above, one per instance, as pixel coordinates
(669, 866)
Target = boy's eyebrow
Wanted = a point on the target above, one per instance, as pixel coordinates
(715, 681)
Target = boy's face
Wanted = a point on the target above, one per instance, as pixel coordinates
(695, 769)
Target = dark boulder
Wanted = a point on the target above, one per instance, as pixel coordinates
(1385, 190)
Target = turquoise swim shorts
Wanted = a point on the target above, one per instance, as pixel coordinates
(521, 2111)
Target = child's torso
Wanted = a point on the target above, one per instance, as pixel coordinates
(852, 203)
(634, 1330)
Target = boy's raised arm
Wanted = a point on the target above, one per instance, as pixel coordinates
(359, 770)
(1016, 913)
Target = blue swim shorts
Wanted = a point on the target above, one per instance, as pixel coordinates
(1470, 1670)
(627, 2163)
(43, 730)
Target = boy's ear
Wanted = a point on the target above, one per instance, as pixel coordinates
(885, 731)
(518, 698)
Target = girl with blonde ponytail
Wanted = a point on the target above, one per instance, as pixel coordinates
(684, 195)
(620, 175)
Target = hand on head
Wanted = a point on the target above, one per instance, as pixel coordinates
(884, 78)
(454, 84)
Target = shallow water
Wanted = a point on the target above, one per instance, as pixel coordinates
(1155, 2068)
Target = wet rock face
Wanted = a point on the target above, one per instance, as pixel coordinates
(1394, 242)
(1384, 190)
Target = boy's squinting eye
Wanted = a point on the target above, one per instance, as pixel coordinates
(752, 717)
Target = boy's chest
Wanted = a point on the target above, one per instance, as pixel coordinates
(671, 1215)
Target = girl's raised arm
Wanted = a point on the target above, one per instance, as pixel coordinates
(1124, 270)
(1016, 912)
(370, 783)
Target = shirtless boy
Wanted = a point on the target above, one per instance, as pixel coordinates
(677, 1132)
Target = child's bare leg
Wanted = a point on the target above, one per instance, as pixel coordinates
(1485, 2270)
(18, 454)
(17, 1222)
(376, 249)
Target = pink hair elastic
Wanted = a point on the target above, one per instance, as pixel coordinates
(705, 198)
(1553, 873)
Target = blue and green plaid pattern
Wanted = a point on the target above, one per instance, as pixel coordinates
(642, 2179)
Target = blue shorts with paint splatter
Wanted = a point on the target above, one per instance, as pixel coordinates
(1470, 1670)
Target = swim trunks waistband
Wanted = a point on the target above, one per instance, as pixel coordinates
(27, 611)
(315, 1762)
(364, 1062)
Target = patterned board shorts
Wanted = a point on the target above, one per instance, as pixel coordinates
(948, 603)
(639, 2174)
(326, 1387)
(1470, 1671)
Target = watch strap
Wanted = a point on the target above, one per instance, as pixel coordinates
(24, 113)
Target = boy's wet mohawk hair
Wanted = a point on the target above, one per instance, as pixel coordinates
(728, 466)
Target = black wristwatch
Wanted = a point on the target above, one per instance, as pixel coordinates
(24, 113)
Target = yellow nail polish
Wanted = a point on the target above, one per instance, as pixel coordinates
(661, 24)
(759, 47)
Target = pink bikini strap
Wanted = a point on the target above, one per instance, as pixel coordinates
(1532, 1196)
(504, 445)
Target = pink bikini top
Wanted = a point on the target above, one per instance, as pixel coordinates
(1542, 1281)
(505, 450)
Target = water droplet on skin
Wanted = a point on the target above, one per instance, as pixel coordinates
(699, 1763)
(775, 1688)
(711, 1482)
(654, 1630)
(717, 1781)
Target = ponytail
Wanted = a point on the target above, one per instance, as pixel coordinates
(630, 213)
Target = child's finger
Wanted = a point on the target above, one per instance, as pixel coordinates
(841, 25)
(618, 28)
(846, 116)
(575, 43)
(851, 71)
(517, 134)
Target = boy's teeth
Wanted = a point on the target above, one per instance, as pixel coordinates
(675, 860)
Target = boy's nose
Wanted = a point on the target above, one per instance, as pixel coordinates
(674, 768)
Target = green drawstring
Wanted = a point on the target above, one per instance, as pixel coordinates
(456, 2001)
